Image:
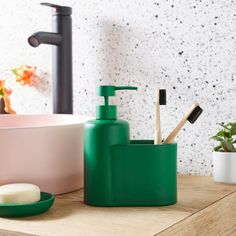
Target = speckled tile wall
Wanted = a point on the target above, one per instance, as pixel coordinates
(187, 47)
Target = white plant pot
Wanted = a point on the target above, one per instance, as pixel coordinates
(224, 167)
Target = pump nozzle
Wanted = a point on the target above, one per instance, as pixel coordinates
(110, 90)
(107, 111)
(126, 88)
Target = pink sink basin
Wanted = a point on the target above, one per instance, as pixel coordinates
(46, 150)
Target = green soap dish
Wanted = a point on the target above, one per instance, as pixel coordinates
(31, 209)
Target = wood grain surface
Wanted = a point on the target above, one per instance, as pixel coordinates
(70, 216)
(217, 219)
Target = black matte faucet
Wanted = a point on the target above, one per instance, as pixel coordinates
(61, 38)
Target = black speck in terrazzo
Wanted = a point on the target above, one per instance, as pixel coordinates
(189, 87)
(179, 80)
(156, 16)
(181, 52)
(213, 85)
(174, 87)
(127, 23)
(179, 97)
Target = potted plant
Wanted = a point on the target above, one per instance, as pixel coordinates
(224, 154)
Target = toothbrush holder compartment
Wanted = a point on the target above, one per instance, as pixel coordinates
(144, 174)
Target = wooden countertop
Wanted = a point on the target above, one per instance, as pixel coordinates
(203, 208)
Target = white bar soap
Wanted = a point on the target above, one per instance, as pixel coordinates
(19, 193)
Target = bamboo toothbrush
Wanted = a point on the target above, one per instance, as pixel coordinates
(193, 113)
(161, 100)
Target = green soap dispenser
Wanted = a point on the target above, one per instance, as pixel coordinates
(99, 136)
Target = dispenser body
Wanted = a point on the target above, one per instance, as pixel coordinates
(120, 172)
(99, 137)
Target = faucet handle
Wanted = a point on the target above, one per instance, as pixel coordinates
(59, 10)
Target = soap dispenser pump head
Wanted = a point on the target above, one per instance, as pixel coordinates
(106, 111)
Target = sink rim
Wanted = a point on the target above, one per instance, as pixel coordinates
(35, 121)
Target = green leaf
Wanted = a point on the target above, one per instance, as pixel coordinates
(233, 130)
(228, 146)
(227, 134)
(1, 93)
(217, 148)
(233, 124)
(224, 126)
(217, 138)
(14, 71)
(220, 133)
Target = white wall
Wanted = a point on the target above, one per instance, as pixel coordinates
(187, 47)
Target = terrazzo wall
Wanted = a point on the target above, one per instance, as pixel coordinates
(187, 47)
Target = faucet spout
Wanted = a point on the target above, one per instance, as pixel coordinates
(44, 38)
(61, 38)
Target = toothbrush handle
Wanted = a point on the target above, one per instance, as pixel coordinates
(180, 125)
(157, 139)
(174, 133)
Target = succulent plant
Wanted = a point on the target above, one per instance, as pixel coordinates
(226, 138)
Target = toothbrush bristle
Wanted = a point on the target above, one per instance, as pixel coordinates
(195, 114)
(162, 97)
